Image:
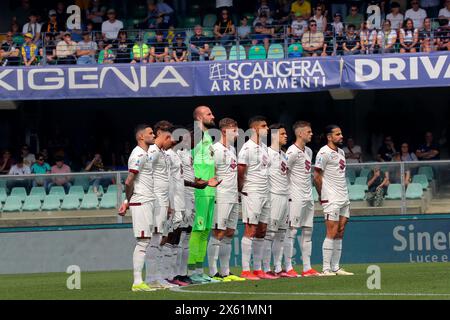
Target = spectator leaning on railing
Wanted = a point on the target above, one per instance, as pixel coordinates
(409, 37)
(66, 50)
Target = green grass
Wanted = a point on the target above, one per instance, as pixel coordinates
(413, 279)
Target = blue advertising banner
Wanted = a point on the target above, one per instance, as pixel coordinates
(396, 71)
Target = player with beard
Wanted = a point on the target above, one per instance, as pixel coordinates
(331, 185)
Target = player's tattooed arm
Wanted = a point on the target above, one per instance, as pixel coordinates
(129, 188)
(318, 174)
(197, 184)
(242, 170)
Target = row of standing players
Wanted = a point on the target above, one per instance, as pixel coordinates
(177, 196)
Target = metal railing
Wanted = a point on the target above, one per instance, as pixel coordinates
(262, 43)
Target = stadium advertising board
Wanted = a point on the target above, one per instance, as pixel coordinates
(397, 71)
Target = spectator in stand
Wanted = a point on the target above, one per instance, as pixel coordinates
(409, 37)
(166, 13)
(443, 34)
(320, 19)
(222, 5)
(96, 165)
(21, 13)
(395, 173)
(159, 51)
(386, 38)
(244, 31)
(263, 32)
(429, 150)
(60, 168)
(66, 50)
(33, 27)
(40, 167)
(200, 49)
(96, 13)
(313, 41)
(29, 51)
(337, 25)
(395, 17)
(298, 27)
(368, 39)
(106, 55)
(387, 150)
(405, 154)
(111, 27)
(150, 22)
(86, 50)
(428, 40)
(27, 156)
(283, 12)
(353, 153)
(354, 17)
(123, 48)
(444, 13)
(224, 28)
(179, 49)
(9, 51)
(51, 26)
(5, 162)
(416, 13)
(18, 37)
(19, 169)
(140, 52)
(431, 7)
(48, 52)
(377, 182)
(303, 7)
(351, 42)
(61, 15)
(264, 7)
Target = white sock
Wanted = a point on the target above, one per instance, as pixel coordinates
(336, 257)
(267, 250)
(166, 271)
(225, 255)
(306, 247)
(258, 246)
(213, 255)
(289, 248)
(327, 252)
(246, 248)
(151, 258)
(185, 255)
(277, 249)
(140, 251)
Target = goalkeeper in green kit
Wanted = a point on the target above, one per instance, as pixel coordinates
(204, 169)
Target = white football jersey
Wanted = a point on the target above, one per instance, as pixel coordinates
(140, 163)
(334, 183)
(225, 160)
(278, 172)
(187, 165)
(161, 171)
(176, 186)
(257, 160)
(300, 169)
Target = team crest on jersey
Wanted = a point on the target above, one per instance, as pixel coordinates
(342, 164)
(283, 167)
(334, 156)
(307, 165)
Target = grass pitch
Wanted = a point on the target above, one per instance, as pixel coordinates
(398, 281)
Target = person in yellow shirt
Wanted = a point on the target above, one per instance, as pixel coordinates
(303, 7)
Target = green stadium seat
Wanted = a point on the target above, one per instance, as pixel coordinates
(276, 51)
(209, 20)
(414, 191)
(109, 201)
(78, 191)
(90, 201)
(20, 192)
(3, 195)
(428, 171)
(364, 172)
(361, 181)
(13, 203)
(349, 183)
(257, 52)
(148, 36)
(356, 192)
(295, 50)
(51, 202)
(81, 181)
(219, 53)
(3, 183)
(99, 189)
(315, 194)
(113, 188)
(190, 22)
(394, 191)
(71, 202)
(39, 192)
(32, 203)
(209, 33)
(422, 179)
(351, 175)
(57, 191)
(237, 53)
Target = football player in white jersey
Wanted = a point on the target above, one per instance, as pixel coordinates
(331, 185)
(253, 181)
(226, 212)
(140, 200)
(279, 200)
(301, 211)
